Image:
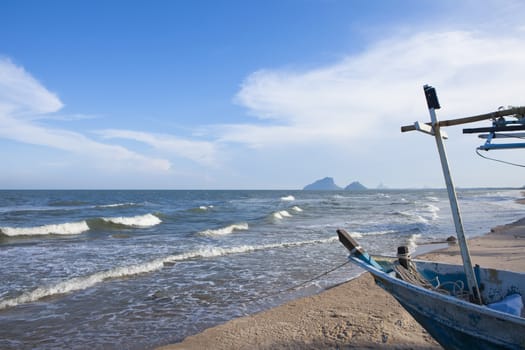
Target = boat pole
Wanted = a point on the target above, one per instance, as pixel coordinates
(433, 104)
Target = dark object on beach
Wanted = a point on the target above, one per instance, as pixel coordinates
(451, 239)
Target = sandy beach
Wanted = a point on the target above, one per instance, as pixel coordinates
(356, 314)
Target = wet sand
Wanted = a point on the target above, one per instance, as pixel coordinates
(356, 314)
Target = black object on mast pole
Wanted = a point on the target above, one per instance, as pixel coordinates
(433, 104)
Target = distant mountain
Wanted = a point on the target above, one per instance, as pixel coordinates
(326, 184)
(355, 186)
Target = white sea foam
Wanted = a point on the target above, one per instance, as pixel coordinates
(146, 220)
(211, 252)
(116, 205)
(413, 216)
(80, 283)
(84, 282)
(226, 230)
(68, 228)
(432, 208)
(296, 209)
(433, 211)
(288, 198)
(412, 241)
(281, 214)
(421, 219)
(373, 233)
(206, 207)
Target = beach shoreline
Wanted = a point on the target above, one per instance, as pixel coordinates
(345, 317)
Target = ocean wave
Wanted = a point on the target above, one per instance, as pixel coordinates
(205, 207)
(117, 205)
(146, 220)
(66, 203)
(281, 214)
(356, 234)
(296, 209)
(84, 282)
(433, 210)
(411, 216)
(80, 283)
(379, 233)
(288, 198)
(411, 242)
(211, 252)
(68, 228)
(225, 230)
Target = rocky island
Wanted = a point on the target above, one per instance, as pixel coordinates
(328, 184)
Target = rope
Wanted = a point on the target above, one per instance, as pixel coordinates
(297, 286)
(412, 276)
(499, 160)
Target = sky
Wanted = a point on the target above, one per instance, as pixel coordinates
(252, 94)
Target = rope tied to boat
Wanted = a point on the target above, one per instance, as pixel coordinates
(297, 286)
(411, 275)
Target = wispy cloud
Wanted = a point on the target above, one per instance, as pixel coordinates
(23, 99)
(21, 94)
(380, 88)
(202, 152)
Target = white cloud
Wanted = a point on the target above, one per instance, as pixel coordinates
(27, 132)
(381, 88)
(198, 151)
(20, 93)
(23, 99)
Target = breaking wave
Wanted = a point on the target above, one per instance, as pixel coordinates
(68, 228)
(146, 220)
(296, 209)
(356, 234)
(84, 282)
(288, 198)
(281, 214)
(411, 216)
(205, 207)
(75, 228)
(433, 210)
(225, 230)
(118, 205)
(411, 242)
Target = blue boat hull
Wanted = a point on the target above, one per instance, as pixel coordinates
(454, 323)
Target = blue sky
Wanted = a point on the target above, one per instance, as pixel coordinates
(251, 94)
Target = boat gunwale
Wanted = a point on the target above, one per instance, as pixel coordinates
(484, 309)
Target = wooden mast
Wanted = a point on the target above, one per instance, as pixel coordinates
(433, 104)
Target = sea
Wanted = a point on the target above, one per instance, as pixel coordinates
(130, 269)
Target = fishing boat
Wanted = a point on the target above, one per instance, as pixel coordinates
(435, 295)
(461, 306)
